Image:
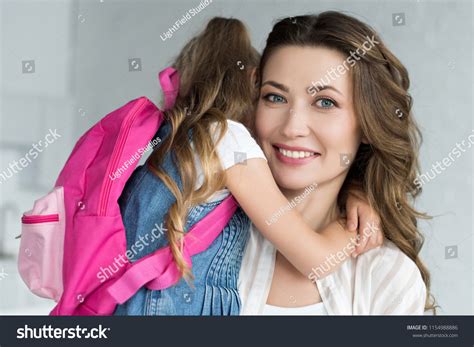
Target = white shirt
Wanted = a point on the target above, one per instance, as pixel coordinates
(236, 146)
(382, 281)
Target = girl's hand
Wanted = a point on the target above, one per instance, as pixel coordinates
(363, 218)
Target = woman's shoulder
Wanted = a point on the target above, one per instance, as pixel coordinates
(387, 259)
(389, 255)
(396, 281)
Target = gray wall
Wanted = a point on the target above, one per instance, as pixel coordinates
(81, 51)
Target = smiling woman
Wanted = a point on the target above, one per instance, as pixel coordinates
(343, 128)
(287, 115)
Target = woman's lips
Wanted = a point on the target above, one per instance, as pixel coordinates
(294, 155)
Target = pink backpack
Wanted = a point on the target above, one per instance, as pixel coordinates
(77, 229)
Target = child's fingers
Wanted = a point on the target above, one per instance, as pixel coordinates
(372, 236)
(352, 218)
(365, 233)
(372, 242)
(380, 239)
(376, 235)
(360, 247)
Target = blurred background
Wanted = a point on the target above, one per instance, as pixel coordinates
(65, 64)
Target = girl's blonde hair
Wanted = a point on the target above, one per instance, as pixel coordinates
(215, 85)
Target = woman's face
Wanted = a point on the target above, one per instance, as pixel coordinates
(306, 138)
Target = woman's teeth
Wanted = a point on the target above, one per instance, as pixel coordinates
(295, 154)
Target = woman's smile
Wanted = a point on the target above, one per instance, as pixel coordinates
(294, 155)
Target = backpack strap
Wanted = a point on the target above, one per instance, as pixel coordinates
(169, 80)
(158, 270)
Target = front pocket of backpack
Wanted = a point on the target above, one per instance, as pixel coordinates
(42, 246)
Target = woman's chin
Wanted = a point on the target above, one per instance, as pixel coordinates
(290, 182)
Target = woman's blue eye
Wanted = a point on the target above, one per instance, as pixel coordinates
(325, 103)
(274, 98)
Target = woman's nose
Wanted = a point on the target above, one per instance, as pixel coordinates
(295, 124)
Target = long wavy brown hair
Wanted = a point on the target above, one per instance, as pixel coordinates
(215, 85)
(386, 167)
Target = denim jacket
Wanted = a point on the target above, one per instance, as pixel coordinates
(144, 204)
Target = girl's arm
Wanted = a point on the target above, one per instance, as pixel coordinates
(253, 186)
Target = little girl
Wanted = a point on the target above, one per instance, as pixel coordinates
(205, 154)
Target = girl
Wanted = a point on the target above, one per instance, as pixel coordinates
(205, 155)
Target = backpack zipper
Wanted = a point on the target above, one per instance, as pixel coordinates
(35, 219)
(116, 154)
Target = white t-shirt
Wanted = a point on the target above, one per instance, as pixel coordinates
(236, 146)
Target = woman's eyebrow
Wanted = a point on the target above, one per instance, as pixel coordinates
(287, 90)
(327, 87)
(277, 85)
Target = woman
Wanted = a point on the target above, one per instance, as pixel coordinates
(329, 86)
